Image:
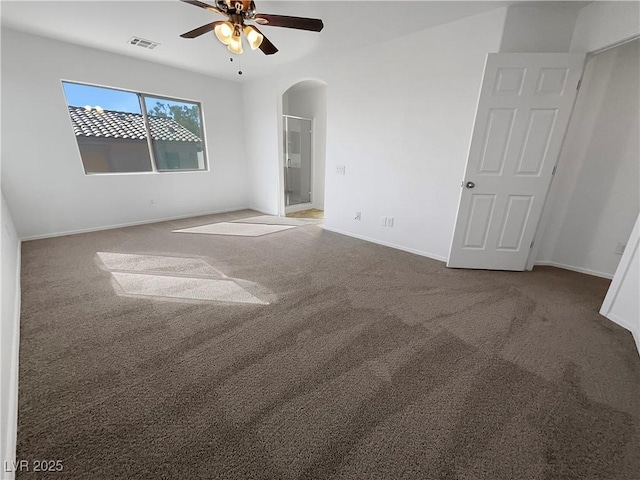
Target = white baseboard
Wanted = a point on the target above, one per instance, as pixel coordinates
(444, 259)
(132, 224)
(388, 244)
(575, 269)
(9, 455)
(620, 321)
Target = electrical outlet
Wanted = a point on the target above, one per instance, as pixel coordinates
(358, 216)
(340, 169)
(620, 248)
(389, 221)
(383, 221)
(152, 203)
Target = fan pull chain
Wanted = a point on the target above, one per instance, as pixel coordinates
(239, 65)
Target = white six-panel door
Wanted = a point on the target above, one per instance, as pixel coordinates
(525, 103)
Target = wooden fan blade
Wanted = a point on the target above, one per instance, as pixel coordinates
(206, 6)
(299, 23)
(266, 46)
(201, 30)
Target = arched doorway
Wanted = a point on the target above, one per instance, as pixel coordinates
(302, 164)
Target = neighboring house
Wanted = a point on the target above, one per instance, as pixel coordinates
(111, 141)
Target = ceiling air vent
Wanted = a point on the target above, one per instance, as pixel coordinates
(141, 42)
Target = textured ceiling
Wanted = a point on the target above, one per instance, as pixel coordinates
(108, 25)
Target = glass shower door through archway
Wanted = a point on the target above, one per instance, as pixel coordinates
(298, 144)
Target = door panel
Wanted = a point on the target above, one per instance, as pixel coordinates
(524, 107)
(536, 141)
(552, 81)
(515, 219)
(499, 126)
(479, 221)
(297, 162)
(509, 81)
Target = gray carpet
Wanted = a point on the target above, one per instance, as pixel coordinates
(366, 363)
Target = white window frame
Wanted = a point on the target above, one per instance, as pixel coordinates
(141, 99)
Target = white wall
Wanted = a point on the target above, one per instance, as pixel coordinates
(604, 23)
(544, 27)
(399, 118)
(309, 100)
(42, 176)
(596, 192)
(9, 335)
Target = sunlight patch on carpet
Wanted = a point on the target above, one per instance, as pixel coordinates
(184, 287)
(236, 229)
(155, 263)
(177, 278)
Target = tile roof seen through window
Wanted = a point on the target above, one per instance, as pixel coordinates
(112, 124)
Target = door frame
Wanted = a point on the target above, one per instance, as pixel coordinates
(548, 199)
(316, 83)
(622, 273)
(301, 206)
(553, 189)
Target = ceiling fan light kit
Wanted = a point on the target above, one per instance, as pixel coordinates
(235, 44)
(254, 37)
(230, 32)
(224, 32)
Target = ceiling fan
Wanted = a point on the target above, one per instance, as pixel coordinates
(230, 31)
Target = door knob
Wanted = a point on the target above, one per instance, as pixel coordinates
(470, 185)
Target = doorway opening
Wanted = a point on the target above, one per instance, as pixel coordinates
(302, 163)
(595, 198)
(298, 161)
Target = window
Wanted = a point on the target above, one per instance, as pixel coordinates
(125, 132)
